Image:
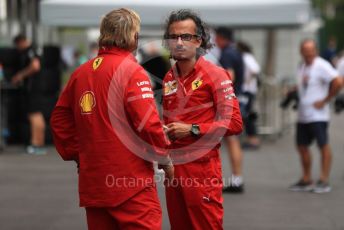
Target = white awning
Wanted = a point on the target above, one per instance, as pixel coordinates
(252, 13)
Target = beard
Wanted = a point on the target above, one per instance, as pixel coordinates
(180, 54)
(179, 57)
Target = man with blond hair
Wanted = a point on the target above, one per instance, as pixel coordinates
(106, 120)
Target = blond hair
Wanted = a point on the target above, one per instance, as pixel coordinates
(118, 29)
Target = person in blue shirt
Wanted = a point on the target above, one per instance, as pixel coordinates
(232, 61)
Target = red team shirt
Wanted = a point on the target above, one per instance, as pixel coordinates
(204, 97)
(105, 114)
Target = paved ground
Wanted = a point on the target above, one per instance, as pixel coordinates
(40, 192)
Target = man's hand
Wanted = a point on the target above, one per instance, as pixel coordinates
(320, 104)
(177, 130)
(168, 167)
(335, 86)
(169, 171)
(16, 79)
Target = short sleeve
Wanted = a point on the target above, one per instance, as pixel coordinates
(227, 60)
(328, 73)
(32, 54)
(251, 64)
(340, 67)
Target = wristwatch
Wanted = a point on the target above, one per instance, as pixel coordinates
(195, 131)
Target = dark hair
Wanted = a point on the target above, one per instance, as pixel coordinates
(225, 32)
(19, 38)
(244, 47)
(201, 28)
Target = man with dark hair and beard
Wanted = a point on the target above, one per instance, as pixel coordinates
(199, 108)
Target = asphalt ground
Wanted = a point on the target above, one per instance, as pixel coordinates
(40, 192)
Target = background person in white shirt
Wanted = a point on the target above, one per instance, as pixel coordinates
(250, 90)
(318, 83)
(340, 65)
(339, 102)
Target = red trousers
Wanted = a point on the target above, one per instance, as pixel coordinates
(142, 211)
(194, 199)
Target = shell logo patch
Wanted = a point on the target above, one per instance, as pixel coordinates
(170, 87)
(87, 102)
(196, 84)
(97, 62)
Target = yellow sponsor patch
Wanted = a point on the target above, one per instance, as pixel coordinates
(196, 84)
(87, 102)
(97, 62)
(170, 87)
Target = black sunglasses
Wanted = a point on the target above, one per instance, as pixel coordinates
(183, 37)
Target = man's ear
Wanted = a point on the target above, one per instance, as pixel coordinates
(199, 42)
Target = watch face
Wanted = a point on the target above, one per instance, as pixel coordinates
(195, 130)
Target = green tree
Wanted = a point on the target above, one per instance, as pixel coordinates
(332, 13)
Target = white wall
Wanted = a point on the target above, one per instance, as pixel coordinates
(287, 47)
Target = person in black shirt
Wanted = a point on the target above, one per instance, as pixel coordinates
(29, 66)
(231, 58)
(330, 52)
(232, 61)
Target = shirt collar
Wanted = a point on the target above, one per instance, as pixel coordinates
(197, 67)
(116, 51)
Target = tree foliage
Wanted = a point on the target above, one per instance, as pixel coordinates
(332, 13)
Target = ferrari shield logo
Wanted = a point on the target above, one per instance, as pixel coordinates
(196, 84)
(97, 62)
(87, 102)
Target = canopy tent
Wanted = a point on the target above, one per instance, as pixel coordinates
(243, 13)
(269, 16)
